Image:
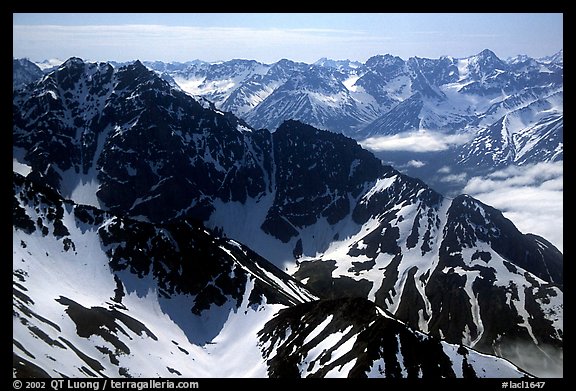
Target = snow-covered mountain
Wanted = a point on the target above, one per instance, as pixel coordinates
(557, 58)
(96, 294)
(531, 132)
(460, 87)
(49, 64)
(220, 82)
(312, 202)
(99, 295)
(341, 65)
(385, 96)
(316, 96)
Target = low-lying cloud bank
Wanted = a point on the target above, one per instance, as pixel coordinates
(418, 141)
(530, 196)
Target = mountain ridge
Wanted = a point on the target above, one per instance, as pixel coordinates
(125, 318)
(322, 207)
(387, 95)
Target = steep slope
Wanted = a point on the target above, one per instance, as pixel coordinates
(452, 268)
(480, 114)
(252, 91)
(96, 294)
(316, 96)
(530, 131)
(215, 82)
(85, 118)
(388, 95)
(405, 116)
(354, 338)
(386, 79)
(469, 95)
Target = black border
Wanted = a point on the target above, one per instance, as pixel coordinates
(337, 7)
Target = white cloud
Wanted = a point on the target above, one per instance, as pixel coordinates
(458, 178)
(535, 171)
(416, 163)
(444, 170)
(419, 141)
(530, 196)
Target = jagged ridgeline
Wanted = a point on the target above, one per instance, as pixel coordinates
(98, 295)
(144, 174)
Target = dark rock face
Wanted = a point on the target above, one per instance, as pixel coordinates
(164, 139)
(177, 157)
(472, 222)
(59, 121)
(303, 155)
(177, 145)
(386, 95)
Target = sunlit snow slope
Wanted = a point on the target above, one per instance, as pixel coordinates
(99, 295)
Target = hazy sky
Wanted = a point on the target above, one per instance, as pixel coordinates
(270, 37)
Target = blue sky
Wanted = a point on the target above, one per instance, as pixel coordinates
(270, 37)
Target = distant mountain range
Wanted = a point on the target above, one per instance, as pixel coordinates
(505, 111)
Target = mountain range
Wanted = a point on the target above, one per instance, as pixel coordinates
(198, 245)
(502, 112)
(505, 111)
